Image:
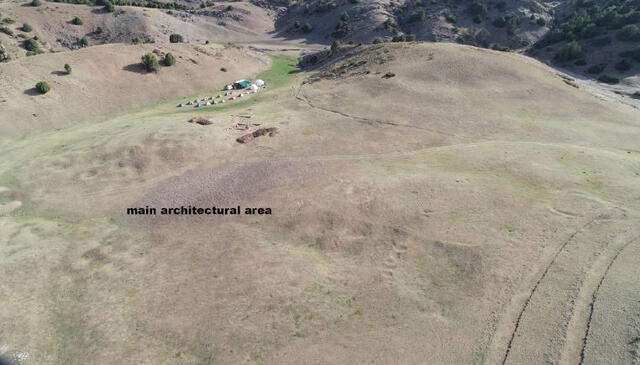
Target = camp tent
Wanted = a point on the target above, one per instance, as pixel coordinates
(254, 88)
(241, 84)
(260, 83)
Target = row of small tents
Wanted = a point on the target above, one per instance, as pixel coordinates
(247, 85)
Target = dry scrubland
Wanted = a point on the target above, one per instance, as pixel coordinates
(474, 208)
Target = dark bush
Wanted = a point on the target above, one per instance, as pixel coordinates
(608, 79)
(623, 65)
(175, 38)
(43, 87)
(570, 51)
(76, 21)
(478, 8)
(344, 16)
(629, 32)
(307, 28)
(26, 28)
(36, 3)
(67, 68)
(83, 42)
(596, 69)
(168, 60)
(108, 7)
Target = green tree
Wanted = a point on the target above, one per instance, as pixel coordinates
(307, 28)
(629, 32)
(67, 68)
(36, 2)
(108, 7)
(335, 46)
(150, 62)
(169, 60)
(26, 27)
(43, 87)
(344, 16)
(175, 38)
(76, 21)
(570, 51)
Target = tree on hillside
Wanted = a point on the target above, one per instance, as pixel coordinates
(76, 21)
(335, 46)
(175, 38)
(150, 62)
(108, 7)
(26, 28)
(629, 32)
(43, 87)
(67, 68)
(168, 60)
(570, 51)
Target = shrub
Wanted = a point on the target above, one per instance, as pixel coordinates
(417, 16)
(43, 87)
(6, 31)
(623, 65)
(150, 62)
(26, 28)
(344, 16)
(629, 32)
(223, 69)
(36, 2)
(608, 79)
(540, 22)
(31, 45)
(83, 42)
(67, 68)
(500, 22)
(478, 8)
(451, 19)
(377, 40)
(476, 19)
(307, 28)
(596, 69)
(76, 21)
(570, 51)
(8, 21)
(98, 30)
(580, 62)
(169, 60)
(335, 45)
(175, 38)
(108, 7)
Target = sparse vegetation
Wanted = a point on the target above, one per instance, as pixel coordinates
(150, 62)
(76, 21)
(43, 87)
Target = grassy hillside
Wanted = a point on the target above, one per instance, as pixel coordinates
(430, 201)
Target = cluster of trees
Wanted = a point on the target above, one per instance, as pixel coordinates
(110, 5)
(593, 19)
(151, 64)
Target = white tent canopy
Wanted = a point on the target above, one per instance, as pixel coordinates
(260, 83)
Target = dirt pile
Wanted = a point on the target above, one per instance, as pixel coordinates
(200, 120)
(258, 133)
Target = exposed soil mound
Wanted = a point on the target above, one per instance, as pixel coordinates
(258, 133)
(200, 120)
